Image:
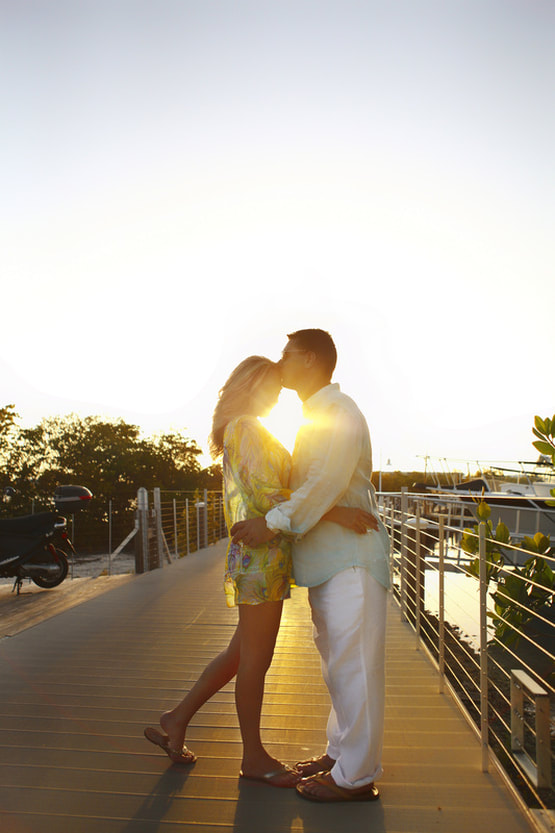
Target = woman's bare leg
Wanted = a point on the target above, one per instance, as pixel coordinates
(258, 629)
(215, 676)
(248, 656)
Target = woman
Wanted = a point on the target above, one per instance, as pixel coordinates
(256, 471)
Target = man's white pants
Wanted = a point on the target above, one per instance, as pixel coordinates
(349, 613)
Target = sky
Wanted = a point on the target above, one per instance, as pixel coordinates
(185, 182)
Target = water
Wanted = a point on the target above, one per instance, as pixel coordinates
(462, 602)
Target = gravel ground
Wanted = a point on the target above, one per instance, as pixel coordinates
(92, 566)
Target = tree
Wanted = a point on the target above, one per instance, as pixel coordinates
(212, 478)
(8, 432)
(109, 457)
(8, 419)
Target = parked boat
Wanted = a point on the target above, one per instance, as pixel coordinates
(517, 494)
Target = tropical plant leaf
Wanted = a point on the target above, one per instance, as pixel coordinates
(544, 448)
(473, 568)
(540, 424)
(483, 511)
(541, 541)
(502, 533)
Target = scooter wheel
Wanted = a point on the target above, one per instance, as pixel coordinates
(54, 579)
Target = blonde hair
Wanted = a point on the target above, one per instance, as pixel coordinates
(236, 396)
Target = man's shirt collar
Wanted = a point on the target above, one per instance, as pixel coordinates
(320, 397)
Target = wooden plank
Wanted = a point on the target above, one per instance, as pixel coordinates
(77, 690)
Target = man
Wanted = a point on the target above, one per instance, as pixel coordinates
(347, 573)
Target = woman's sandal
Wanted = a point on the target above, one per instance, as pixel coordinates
(176, 756)
(275, 778)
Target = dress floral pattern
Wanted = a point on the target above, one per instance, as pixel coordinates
(256, 475)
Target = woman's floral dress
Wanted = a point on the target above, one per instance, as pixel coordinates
(256, 474)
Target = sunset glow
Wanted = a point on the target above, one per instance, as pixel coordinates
(182, 188)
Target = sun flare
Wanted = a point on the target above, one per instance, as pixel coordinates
(285, 418)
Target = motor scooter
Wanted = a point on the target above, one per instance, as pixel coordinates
(31, 545)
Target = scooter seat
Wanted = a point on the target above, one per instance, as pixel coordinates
(29, 524)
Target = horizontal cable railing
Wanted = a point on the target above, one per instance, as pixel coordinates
(174, 524)
(191, 520)
(486, 619)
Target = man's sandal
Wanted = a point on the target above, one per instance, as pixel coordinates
(323, 788)
(323, 763)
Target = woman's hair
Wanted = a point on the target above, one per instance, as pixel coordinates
(235, 398)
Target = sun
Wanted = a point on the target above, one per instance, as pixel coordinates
(285, 418)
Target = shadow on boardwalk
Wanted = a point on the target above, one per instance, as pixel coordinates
(77, 690)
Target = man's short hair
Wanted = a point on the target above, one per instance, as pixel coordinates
(319, 342)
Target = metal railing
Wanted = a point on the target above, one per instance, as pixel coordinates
(183, 522)
(173, 524)
(501, 672)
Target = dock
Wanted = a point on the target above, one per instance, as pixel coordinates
(78, 687)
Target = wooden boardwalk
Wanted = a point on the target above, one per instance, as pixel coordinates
(77, 689)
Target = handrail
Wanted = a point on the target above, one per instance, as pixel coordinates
(472, 661)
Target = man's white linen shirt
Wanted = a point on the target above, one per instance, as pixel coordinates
(332, 465)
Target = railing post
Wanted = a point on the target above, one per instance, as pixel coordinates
(539, 772)
(158, 525)
(441, 601)
(175, 545)
(483, 646)
(187, 523)
(141, 551)
(403, 588)
(109, 568)
(390, 504)
(418, 578)
(110, 527)
(206, 517)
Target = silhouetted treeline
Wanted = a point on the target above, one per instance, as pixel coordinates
(109, 457)
(393, 481)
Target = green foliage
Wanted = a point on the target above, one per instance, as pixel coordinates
(522, 593)
(539, 544)
(483, 511)
(494, 539)
(212, 478)
(528, 591)
(8, 419)
(110, 457)
(8, 432)
(544, 429)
